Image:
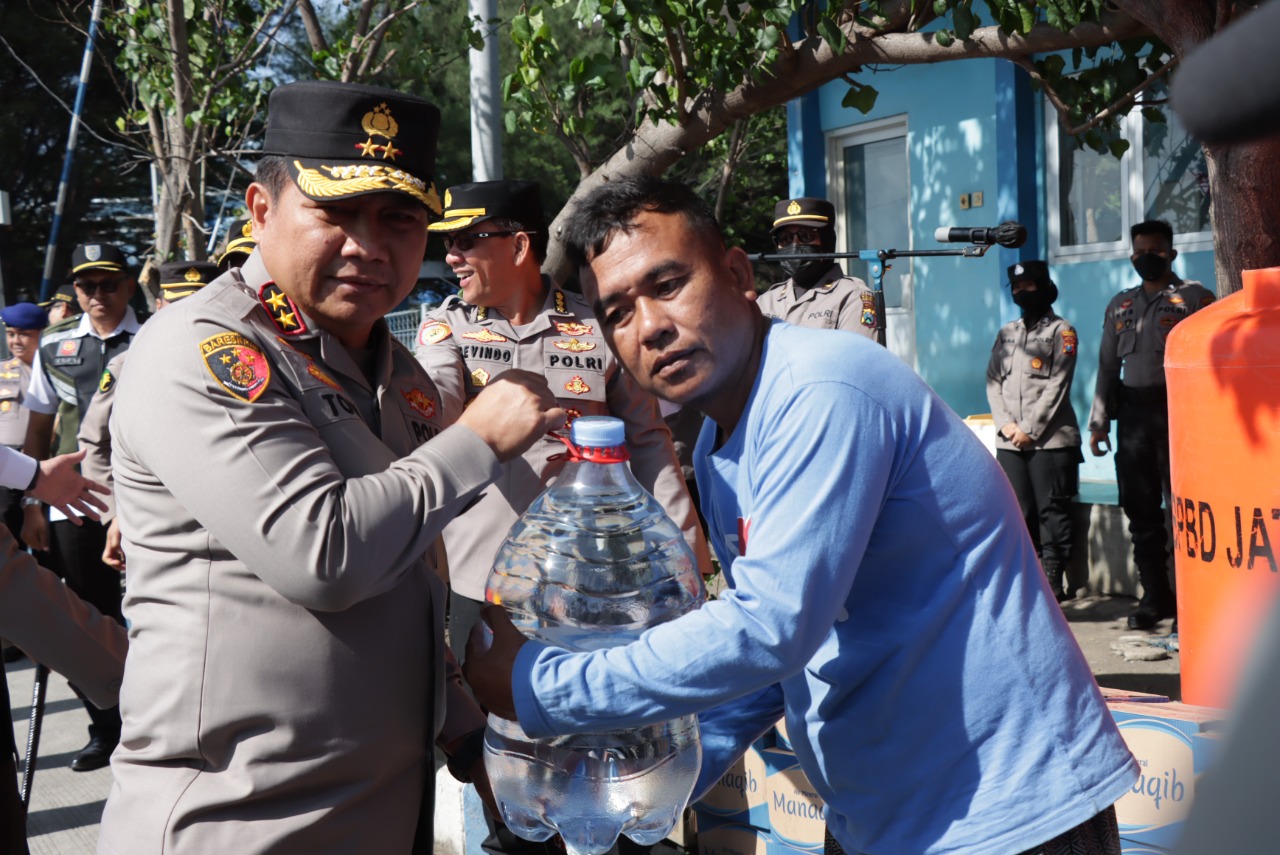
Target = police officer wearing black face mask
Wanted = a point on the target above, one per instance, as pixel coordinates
(818, 294)
(1131, 390)
(1029, 379)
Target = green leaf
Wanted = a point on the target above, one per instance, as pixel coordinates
(1118, 147)
(521, 31)
(939, 7)
(944, 38)
(1028, 15)
(860, 98)
(831, 34)
(964, 22)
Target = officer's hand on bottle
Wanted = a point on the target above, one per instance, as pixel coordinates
(491, 657)
(1099, 442)
(513, 412)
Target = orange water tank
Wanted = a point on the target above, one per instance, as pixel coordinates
(1223, 370)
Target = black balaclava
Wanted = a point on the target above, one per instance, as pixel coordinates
(1150, 266)
(1036, 304)
(807, 271)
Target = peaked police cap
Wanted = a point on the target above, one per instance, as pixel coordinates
(98, 256)
(468, 204)
(1031, 271)
(342, 140)
(180, 279)
(804, 211)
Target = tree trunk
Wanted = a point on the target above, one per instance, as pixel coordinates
(1246, 208)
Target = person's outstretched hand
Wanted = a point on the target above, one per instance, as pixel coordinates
(60, 485)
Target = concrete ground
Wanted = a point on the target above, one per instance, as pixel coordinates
(66, 805)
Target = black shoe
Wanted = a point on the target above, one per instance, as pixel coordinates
(1151, 610)
(12, 654)
(95, 755)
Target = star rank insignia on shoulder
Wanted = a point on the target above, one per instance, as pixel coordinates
(106, 381)
(237, 364)
(284, 314)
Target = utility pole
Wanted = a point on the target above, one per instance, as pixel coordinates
(486, 97)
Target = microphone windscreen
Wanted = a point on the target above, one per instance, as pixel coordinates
(1010, 234)
(1228, 89)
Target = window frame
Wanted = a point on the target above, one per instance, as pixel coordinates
(1133, 201)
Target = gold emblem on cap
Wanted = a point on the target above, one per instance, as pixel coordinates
(448, 198)
(378, 122)
(793, 208)
(362, 178)
(247, 229)
(192, 275)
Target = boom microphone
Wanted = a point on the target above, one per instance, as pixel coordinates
(1008, 234)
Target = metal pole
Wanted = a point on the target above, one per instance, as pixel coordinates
(486, 99)
(46, 282)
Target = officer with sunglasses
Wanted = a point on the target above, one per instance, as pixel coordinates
(64, 378)
(818, 294)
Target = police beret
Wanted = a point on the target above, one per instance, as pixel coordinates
(65, 294)
(180, 279)
(1031, 271)
(804, 211)
(24, 316)
(468, 204)
(98, 256)
(343, 139)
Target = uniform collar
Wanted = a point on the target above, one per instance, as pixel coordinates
(556, 304)
(128, 324)
(823, 286)
(285, 315)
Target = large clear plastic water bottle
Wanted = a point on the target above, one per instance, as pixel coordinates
(591, 564)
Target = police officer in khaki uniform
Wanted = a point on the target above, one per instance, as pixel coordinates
(282, 468)
(818, 294)
(64, 378)
(178, 279)
(511, 316)
(1131, 390)
(1029, 379)
(23, 323)
(238, 245)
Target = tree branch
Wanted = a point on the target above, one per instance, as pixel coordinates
(1121, 104)
(311, 23)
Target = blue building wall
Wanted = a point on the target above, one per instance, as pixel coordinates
(973, 125)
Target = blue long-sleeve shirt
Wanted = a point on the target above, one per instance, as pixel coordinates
(884, 593)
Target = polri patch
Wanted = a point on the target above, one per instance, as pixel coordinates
(433, 332)
(868, 311)
(237, 364)
(1068, 342)
(577, 386)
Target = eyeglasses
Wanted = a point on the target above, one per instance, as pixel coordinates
(108, 286)
(466, 240)
(799, 235)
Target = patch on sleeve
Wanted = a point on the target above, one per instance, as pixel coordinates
(420, 401)
(237, 364)
(1068, 342)
(106, 381)
(433, 332)
(869, 311)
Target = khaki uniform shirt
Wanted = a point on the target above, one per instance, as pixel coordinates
(56, 628)
(1134, 329)
(463, 347)
(15, 376)
(95, 434)
(287, 668)
(1029, 382)
(835, 302)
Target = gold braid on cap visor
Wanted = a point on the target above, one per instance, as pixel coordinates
(363, 178)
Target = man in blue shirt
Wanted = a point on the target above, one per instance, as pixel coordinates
(884, 595)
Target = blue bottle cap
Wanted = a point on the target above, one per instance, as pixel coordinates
(598, 432)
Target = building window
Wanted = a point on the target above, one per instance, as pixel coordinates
(1095, 198)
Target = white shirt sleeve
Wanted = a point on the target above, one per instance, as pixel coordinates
(40, 397)
(16, 469)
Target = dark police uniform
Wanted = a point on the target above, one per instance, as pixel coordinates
(1131, 390)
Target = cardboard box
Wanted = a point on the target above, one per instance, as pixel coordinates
(797, 816)
(1161, 738)
(781, 739)
(730, 838)
(739, 795)
(1113, 696)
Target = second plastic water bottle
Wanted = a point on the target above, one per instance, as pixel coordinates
(591, 564)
